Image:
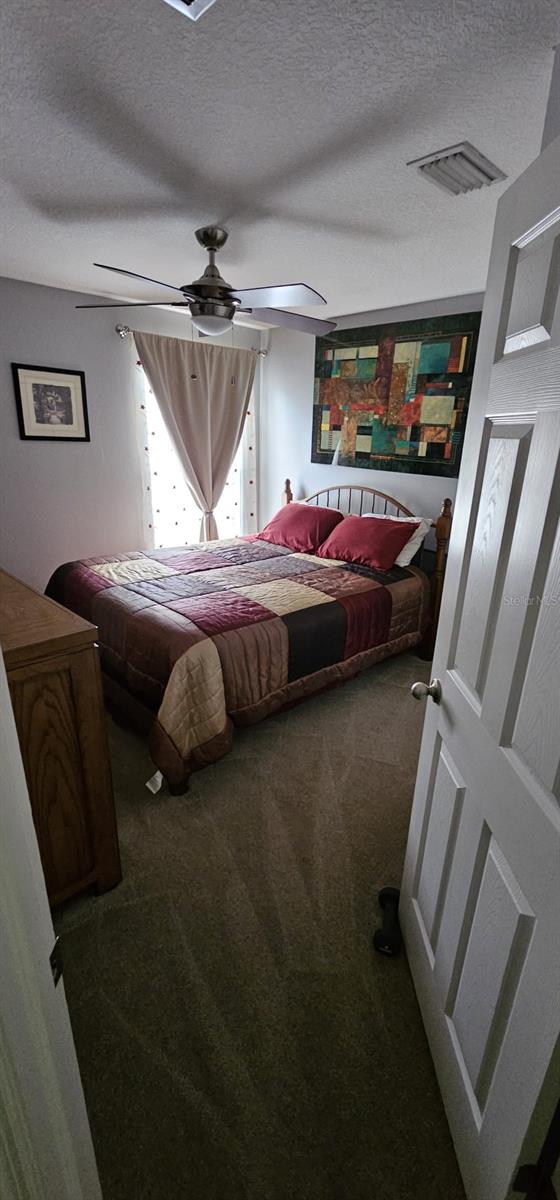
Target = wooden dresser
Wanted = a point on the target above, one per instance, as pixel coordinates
(53, 672)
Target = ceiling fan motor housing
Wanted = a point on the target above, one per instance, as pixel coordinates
(212, 308)
(216, 298)
(210, 285)
(211, 303)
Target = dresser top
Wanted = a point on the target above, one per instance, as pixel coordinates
(32, 626)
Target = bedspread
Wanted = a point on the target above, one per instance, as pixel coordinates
(230, 631)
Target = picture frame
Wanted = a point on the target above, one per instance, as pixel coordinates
(51, 404)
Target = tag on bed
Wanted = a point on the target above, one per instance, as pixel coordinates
(154, 784)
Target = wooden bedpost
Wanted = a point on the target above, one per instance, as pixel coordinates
(443, 530)
(287, 495)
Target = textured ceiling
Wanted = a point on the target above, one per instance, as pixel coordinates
(125, 126)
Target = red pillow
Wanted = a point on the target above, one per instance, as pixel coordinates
(371, 543)
(301, 527)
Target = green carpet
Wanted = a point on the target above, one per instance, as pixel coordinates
(238, 1037)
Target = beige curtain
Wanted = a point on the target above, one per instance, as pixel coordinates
(203, 392)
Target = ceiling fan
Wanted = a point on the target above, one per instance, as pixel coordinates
(213, 303)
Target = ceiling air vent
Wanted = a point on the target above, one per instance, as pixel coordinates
(458, 168)
(191, 8)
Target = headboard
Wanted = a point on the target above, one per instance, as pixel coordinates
(352, 498)
(358, 500)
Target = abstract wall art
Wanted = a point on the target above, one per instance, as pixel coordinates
(395, 397)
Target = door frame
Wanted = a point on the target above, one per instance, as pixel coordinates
(45, 1140)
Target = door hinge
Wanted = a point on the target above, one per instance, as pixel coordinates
(55, 959)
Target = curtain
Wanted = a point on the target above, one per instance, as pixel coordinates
(203, 392)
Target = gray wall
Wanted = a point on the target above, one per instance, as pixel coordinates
(286, 419)
(63, 500)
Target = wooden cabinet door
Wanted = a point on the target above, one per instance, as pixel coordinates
(60, 724)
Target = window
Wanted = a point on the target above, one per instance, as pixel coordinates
(173, 517)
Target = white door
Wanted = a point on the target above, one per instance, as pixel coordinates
(45, 1143)
(480, 903)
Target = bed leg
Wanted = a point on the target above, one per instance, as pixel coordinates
(178, 789)
(426, 648)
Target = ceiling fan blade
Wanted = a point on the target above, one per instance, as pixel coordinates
(282, 295)
(140, 304)
(144, 278)
(297, 321)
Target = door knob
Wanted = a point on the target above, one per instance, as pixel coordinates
(421, 690)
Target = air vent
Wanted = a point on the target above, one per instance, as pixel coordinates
(191, 8)
(458, 169)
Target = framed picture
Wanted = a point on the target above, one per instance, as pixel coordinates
(51, 404)
(395, 397)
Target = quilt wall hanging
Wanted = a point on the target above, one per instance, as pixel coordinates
(395, 397)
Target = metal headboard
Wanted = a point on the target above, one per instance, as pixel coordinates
(353, 498)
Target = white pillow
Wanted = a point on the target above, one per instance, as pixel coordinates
(413, 545)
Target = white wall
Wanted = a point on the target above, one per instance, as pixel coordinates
(65, 500)
(287, 412)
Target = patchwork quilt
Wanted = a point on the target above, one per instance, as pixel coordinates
(227, 632)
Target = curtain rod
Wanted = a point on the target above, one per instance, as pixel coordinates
(123, 331)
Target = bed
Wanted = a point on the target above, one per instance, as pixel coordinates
(197, 639)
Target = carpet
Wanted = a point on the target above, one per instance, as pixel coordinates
(237, 1035)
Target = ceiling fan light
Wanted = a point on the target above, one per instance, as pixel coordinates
(212, 317)
(212, 326)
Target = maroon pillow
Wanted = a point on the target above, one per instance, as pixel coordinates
(301, 527)
(371, 543)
